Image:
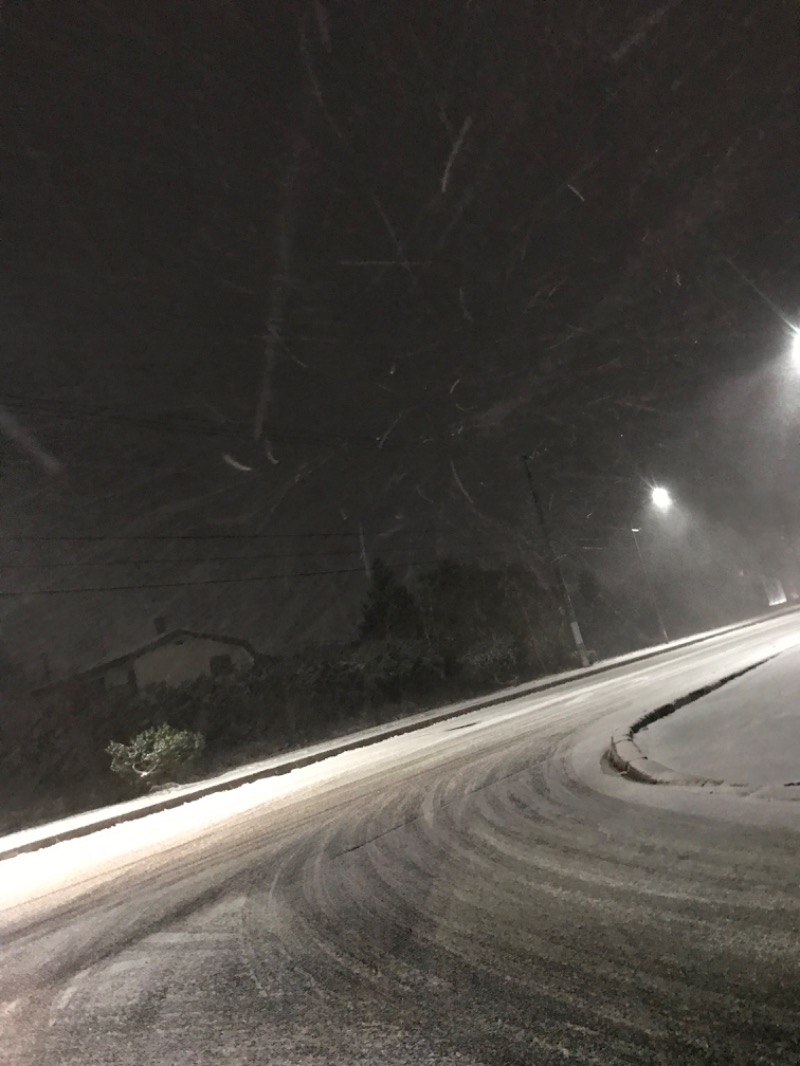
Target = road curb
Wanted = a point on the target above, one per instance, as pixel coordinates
(628, 759)
(411, 724)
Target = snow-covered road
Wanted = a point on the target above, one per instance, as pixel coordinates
(480, 891)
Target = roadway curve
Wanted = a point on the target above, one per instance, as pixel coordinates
(481, 891)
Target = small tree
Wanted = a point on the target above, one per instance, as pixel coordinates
(155, 755)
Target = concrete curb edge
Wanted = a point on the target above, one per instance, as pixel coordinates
(628, 759)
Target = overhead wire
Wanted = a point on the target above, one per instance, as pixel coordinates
(199, 582)
(97, 414)
(100, 537)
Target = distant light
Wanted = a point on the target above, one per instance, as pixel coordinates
(661, 498)
(635, 529)
(774, 590)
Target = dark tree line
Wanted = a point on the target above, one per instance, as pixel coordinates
(451, 632)
(466, 614)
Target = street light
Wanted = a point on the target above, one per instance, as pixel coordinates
(661, 498)
(794, 346)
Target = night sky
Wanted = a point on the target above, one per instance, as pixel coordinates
(299, 283)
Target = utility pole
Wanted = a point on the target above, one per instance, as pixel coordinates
(635, 530)
(555, 565)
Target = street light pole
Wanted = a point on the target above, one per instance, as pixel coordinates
(649, 584)
(552, 558)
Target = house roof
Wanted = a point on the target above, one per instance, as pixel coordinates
(157, 642)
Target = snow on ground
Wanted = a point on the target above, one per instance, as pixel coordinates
(747, 732)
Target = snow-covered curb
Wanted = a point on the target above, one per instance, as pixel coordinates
(625, 755)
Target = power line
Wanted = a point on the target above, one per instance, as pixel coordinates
(98, 537)
(190, 560)
(191, 426)
(181, 584)
(200, 559)
(95, 413)
(208, 581)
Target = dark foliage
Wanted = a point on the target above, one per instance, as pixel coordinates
(389, 609)
(453, 632)
(156, 755)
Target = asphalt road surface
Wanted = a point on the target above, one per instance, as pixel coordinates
(482, 891)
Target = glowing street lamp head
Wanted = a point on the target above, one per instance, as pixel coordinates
(794, 347)
(661, 498)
